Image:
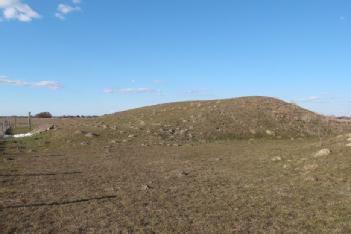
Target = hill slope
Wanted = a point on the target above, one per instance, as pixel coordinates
(245, 117)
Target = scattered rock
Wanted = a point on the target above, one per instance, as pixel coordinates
(131, 136)
(145, 187)
(310, 167)
(84, 143)
(311, 178)
(322, 152)
(44, 128)
(78, 132)
(348, 145)
(270, 133)
(182, 173)
(91, 135)
(276, 158)
(348, 139)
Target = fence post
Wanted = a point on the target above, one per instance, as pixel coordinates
(15, 122)
(29, 121)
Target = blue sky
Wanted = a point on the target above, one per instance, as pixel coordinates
(97, 57)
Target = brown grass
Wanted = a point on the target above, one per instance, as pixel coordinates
(53, 183)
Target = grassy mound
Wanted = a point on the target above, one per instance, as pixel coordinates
(245, 117)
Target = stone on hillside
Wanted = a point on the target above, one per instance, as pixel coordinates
(270, 133)
(322, 152)
(182, 173)
(311, 178)
(90, 135)
(348, 139)
(348, 145)
(310, 167)
(276, 158)
(78, 132)
(44, 128)
(145, 187)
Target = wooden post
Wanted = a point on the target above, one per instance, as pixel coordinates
(15, 122)
(29, 121)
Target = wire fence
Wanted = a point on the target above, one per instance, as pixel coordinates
(14, 122)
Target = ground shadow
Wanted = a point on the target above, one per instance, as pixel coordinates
(59, 203)
(2, 145)
(40, 174)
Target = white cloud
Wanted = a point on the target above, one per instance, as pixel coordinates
(309, 99)
(47, 84)
(158, 81)
(63, 9)
(197, 92)
(17, 10)
(76, 1)
(40, 84)
(108, 90)
(130, 90)
(315, 99)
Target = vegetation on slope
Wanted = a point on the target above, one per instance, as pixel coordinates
(245, 117)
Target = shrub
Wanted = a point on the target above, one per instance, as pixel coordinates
(43, 115)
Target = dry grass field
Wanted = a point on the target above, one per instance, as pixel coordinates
(246, 165)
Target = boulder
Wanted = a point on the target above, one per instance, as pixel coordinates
(90, 135)
(270, 133)
(276, 158)
(322, 152)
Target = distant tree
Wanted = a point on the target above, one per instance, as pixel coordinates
(46, 115)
